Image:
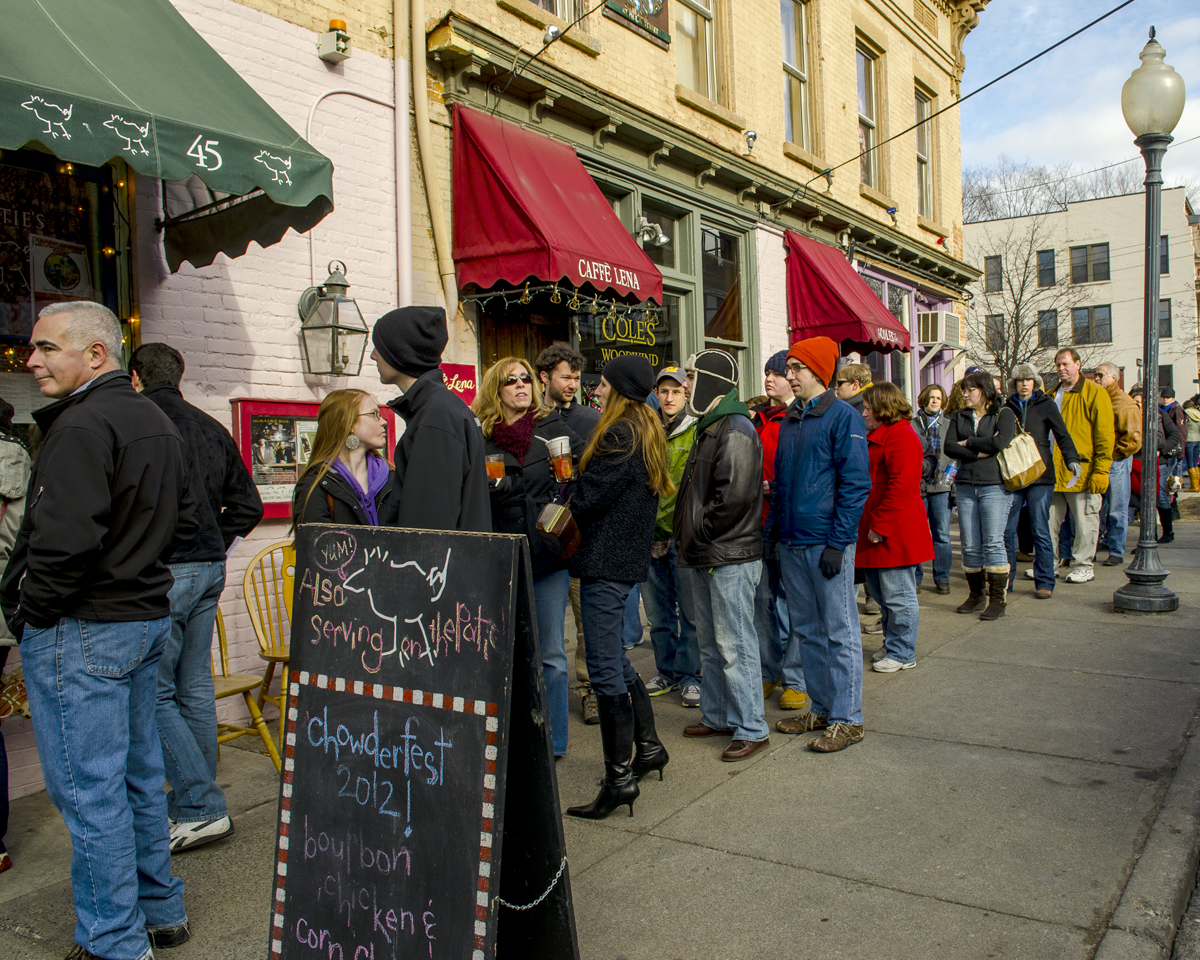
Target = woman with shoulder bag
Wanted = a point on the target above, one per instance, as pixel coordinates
(623, 472)
(346, 480)
(977, 432)
(517, 426)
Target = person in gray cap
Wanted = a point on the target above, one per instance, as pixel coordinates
(440, 481)
(1037, 414)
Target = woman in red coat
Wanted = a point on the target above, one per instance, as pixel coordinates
(893, 535)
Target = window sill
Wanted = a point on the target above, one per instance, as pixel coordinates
(710, 108)
(531, 13)
(875, 196)
(794, 151)
(931, 227)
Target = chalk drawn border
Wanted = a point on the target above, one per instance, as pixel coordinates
(482, 708)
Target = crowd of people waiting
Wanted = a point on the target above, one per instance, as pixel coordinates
(745, 530)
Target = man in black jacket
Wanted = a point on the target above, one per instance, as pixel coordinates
(441, 473)
(86, 591)
(1037, 414)
(718, 538)
(228, 508)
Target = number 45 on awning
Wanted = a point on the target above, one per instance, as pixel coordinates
(202, 157)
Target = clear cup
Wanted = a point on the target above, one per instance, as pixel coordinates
(495, 466)
(560, 457)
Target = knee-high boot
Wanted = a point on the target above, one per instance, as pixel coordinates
(1168, 525)
(648, 752)
(619, 787)
(1194, 478)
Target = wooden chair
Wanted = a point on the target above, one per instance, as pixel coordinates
(267, 587)
(229, 684)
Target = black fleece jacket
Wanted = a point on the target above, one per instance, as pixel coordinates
(440, 481)
(965, 442)
(228, 505)
(615, 511)
(108, 504)
(333, 501)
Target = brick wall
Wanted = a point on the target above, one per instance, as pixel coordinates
(772, 292)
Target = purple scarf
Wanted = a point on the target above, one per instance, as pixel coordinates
(377, 476)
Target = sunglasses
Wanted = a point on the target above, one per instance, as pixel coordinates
(513, 379)
(840, 382)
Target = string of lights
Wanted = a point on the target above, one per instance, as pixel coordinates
(610, 308)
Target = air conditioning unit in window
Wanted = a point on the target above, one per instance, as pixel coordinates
(939, 326)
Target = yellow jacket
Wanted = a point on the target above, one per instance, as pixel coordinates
(1127, 419)
(1088, 413)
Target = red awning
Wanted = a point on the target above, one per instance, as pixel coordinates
(827, 298)
(524, 206)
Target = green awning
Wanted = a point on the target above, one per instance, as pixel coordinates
(91, 80)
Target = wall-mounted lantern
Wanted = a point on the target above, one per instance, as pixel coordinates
(332, 329)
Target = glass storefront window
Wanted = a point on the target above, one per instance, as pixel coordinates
(652, 333)
(664, 256)
(720, 269)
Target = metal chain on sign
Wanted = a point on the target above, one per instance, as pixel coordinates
(553, 883)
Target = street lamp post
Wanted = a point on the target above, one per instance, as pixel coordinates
(1152, 101)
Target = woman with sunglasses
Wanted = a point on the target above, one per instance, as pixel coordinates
(623, 472)
(517, 425)
(346, 480)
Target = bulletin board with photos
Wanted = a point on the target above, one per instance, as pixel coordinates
(276, 439)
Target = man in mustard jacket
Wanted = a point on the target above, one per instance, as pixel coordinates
(1088, 413)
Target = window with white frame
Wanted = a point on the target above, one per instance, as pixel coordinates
(795, 72)
(925, 193)
(694, 49)
(566, 9)
(868, 127)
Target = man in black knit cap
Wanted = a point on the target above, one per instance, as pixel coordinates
(441, 475)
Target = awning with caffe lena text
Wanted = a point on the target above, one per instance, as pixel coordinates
(90, 81)
(525, 208)
(827, 298)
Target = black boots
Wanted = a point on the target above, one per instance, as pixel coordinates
(619, 787)
(648, 752)
(997, 584)
(975, 580)
(1168, 525)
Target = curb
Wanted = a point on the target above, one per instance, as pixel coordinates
(1156, 895)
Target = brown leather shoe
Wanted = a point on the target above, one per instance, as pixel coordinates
(701, 729)
(743, 749)
(1043, 594)
(801, 724)
(838, 737)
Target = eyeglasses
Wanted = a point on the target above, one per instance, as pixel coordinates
(372, 413)
(514, 378)
(840, 382)
(796, 367)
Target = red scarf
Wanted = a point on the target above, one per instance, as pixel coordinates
(515, 438)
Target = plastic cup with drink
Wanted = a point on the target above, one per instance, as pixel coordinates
(560, 458)
(495, 466)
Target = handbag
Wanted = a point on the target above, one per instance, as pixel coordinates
(1021, 461)
(559, 531)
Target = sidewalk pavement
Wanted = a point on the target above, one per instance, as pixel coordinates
(1028, 791)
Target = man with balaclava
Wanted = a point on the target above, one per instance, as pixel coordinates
(718, 539)
(441, 474)
(822, 479)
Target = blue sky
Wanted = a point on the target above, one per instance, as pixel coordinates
(1067, 105)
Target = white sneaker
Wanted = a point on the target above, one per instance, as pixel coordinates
(1029, 574)
(888, 665)
(1081, 575)
(185, 836)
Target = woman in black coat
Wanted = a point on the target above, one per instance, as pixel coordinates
(346, 480)
(517, 425)
(623, 472)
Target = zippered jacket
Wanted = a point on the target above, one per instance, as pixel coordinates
(1039, 417)
(679, 445)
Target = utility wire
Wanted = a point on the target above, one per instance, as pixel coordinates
(957, 103)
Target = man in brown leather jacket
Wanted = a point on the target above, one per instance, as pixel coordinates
(718, 539)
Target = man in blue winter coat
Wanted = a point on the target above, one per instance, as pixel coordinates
(822, 478)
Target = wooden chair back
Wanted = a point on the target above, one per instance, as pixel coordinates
(268, 587)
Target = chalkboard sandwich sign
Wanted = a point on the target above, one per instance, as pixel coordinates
(417, 755)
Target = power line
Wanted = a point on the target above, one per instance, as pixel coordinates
(961, 100)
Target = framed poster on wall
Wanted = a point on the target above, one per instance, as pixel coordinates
(276, 439)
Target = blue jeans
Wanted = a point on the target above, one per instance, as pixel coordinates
(982, 519)
(1038, 497)
(667, 596)
(1167, 471)
(1114, 510)
(774, 629)
(602, 608)
(92, 688)
(550, 594)
(731, 695)
(631, 631)
(1191, 451)
(824, 619)
(937, 511)
(896, 590)
(187, 710)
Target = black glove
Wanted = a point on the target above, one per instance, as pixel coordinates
(830, 562)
